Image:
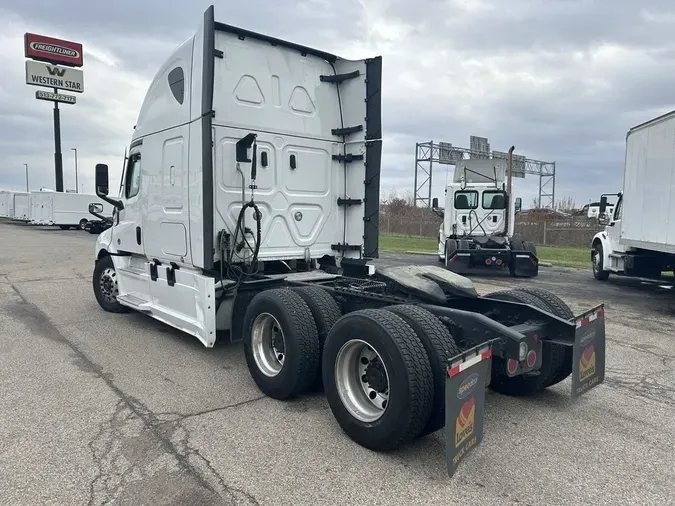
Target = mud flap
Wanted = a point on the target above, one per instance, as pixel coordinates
(588, 366)
(459, 262)
(524, 264)
(465, 386)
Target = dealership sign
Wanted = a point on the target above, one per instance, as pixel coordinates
(64, 52)
(43, 74)
(55, 97)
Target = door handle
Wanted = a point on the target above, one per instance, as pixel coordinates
(138, 235)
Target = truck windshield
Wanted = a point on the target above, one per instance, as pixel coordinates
(466, 199)
(494, 200)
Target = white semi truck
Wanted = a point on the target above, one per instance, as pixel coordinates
(248, 210)
(477, 230)
(639, 238)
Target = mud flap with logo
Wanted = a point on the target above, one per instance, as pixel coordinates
(588, 367)
(465, 386)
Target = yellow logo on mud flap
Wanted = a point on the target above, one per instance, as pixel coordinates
(465, 421)
(587, 363)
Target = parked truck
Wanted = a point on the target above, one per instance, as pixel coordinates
(62, 209)
(477, 230)
(639, 239)
(248, 211)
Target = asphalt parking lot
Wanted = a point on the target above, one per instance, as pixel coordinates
(120, 409)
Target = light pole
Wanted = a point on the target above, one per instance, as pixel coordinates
(77, 186)
(26, 165)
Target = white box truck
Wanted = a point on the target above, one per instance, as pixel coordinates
(249, 208)
(639, 238)
(6, 204)
(21, 206)
(66, 210)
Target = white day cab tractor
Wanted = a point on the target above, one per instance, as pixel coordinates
(248, 211)
(477, 230)
(639, 239)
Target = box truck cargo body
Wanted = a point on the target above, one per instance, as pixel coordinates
(64, 209)
(639, 237)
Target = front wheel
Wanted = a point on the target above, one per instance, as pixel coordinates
(105, 286)
(82, 224)
(598, 264)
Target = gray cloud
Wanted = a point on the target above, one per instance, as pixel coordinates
(563, 80)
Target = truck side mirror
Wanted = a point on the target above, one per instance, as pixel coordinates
(603, 205)
(434, 203)
(603, 219)
(95, 207)
(518, 204)
(102, 186)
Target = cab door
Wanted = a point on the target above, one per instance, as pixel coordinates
(127, 233)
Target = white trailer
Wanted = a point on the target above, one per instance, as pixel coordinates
(21, 206)
(6, 204)
(66, 210)
(639, 237)
(249, 206)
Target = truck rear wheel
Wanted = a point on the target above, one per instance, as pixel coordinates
(326, 313)
(552, 360)
(440, 347)
(377, 378)
(104, 282)
(281, 343)
(555, 305)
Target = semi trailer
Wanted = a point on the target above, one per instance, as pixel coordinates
(639, 239)
(21, 206)
(477, 230)
(248, 211)
(63, 209)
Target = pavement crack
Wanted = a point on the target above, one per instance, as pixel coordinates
(643, 348)
(642, 387)
(173, 416)
(109, 479)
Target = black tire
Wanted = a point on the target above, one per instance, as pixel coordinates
(82, 224)
(552, 360)
(440, 347)
(558, 307)
(405, 360)
(530, 246)
(598, 269)
(326, 313)
(451, 245)
(104, 282)
(300, 342)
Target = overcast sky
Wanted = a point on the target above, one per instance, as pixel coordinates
(562, 80)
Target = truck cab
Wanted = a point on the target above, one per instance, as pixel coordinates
(478, 221)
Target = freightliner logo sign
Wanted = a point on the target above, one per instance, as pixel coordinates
(49, 49)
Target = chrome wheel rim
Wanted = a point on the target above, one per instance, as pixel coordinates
(268, 344)
(108, 284)
(362, 381)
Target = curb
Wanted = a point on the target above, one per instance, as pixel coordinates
(426, 253)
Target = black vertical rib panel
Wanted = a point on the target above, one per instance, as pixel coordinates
(371, 226)
(208, 65)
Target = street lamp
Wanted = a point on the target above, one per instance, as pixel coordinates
(26, 165)
(77, 186)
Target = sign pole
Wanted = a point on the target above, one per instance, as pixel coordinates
(58, 160)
